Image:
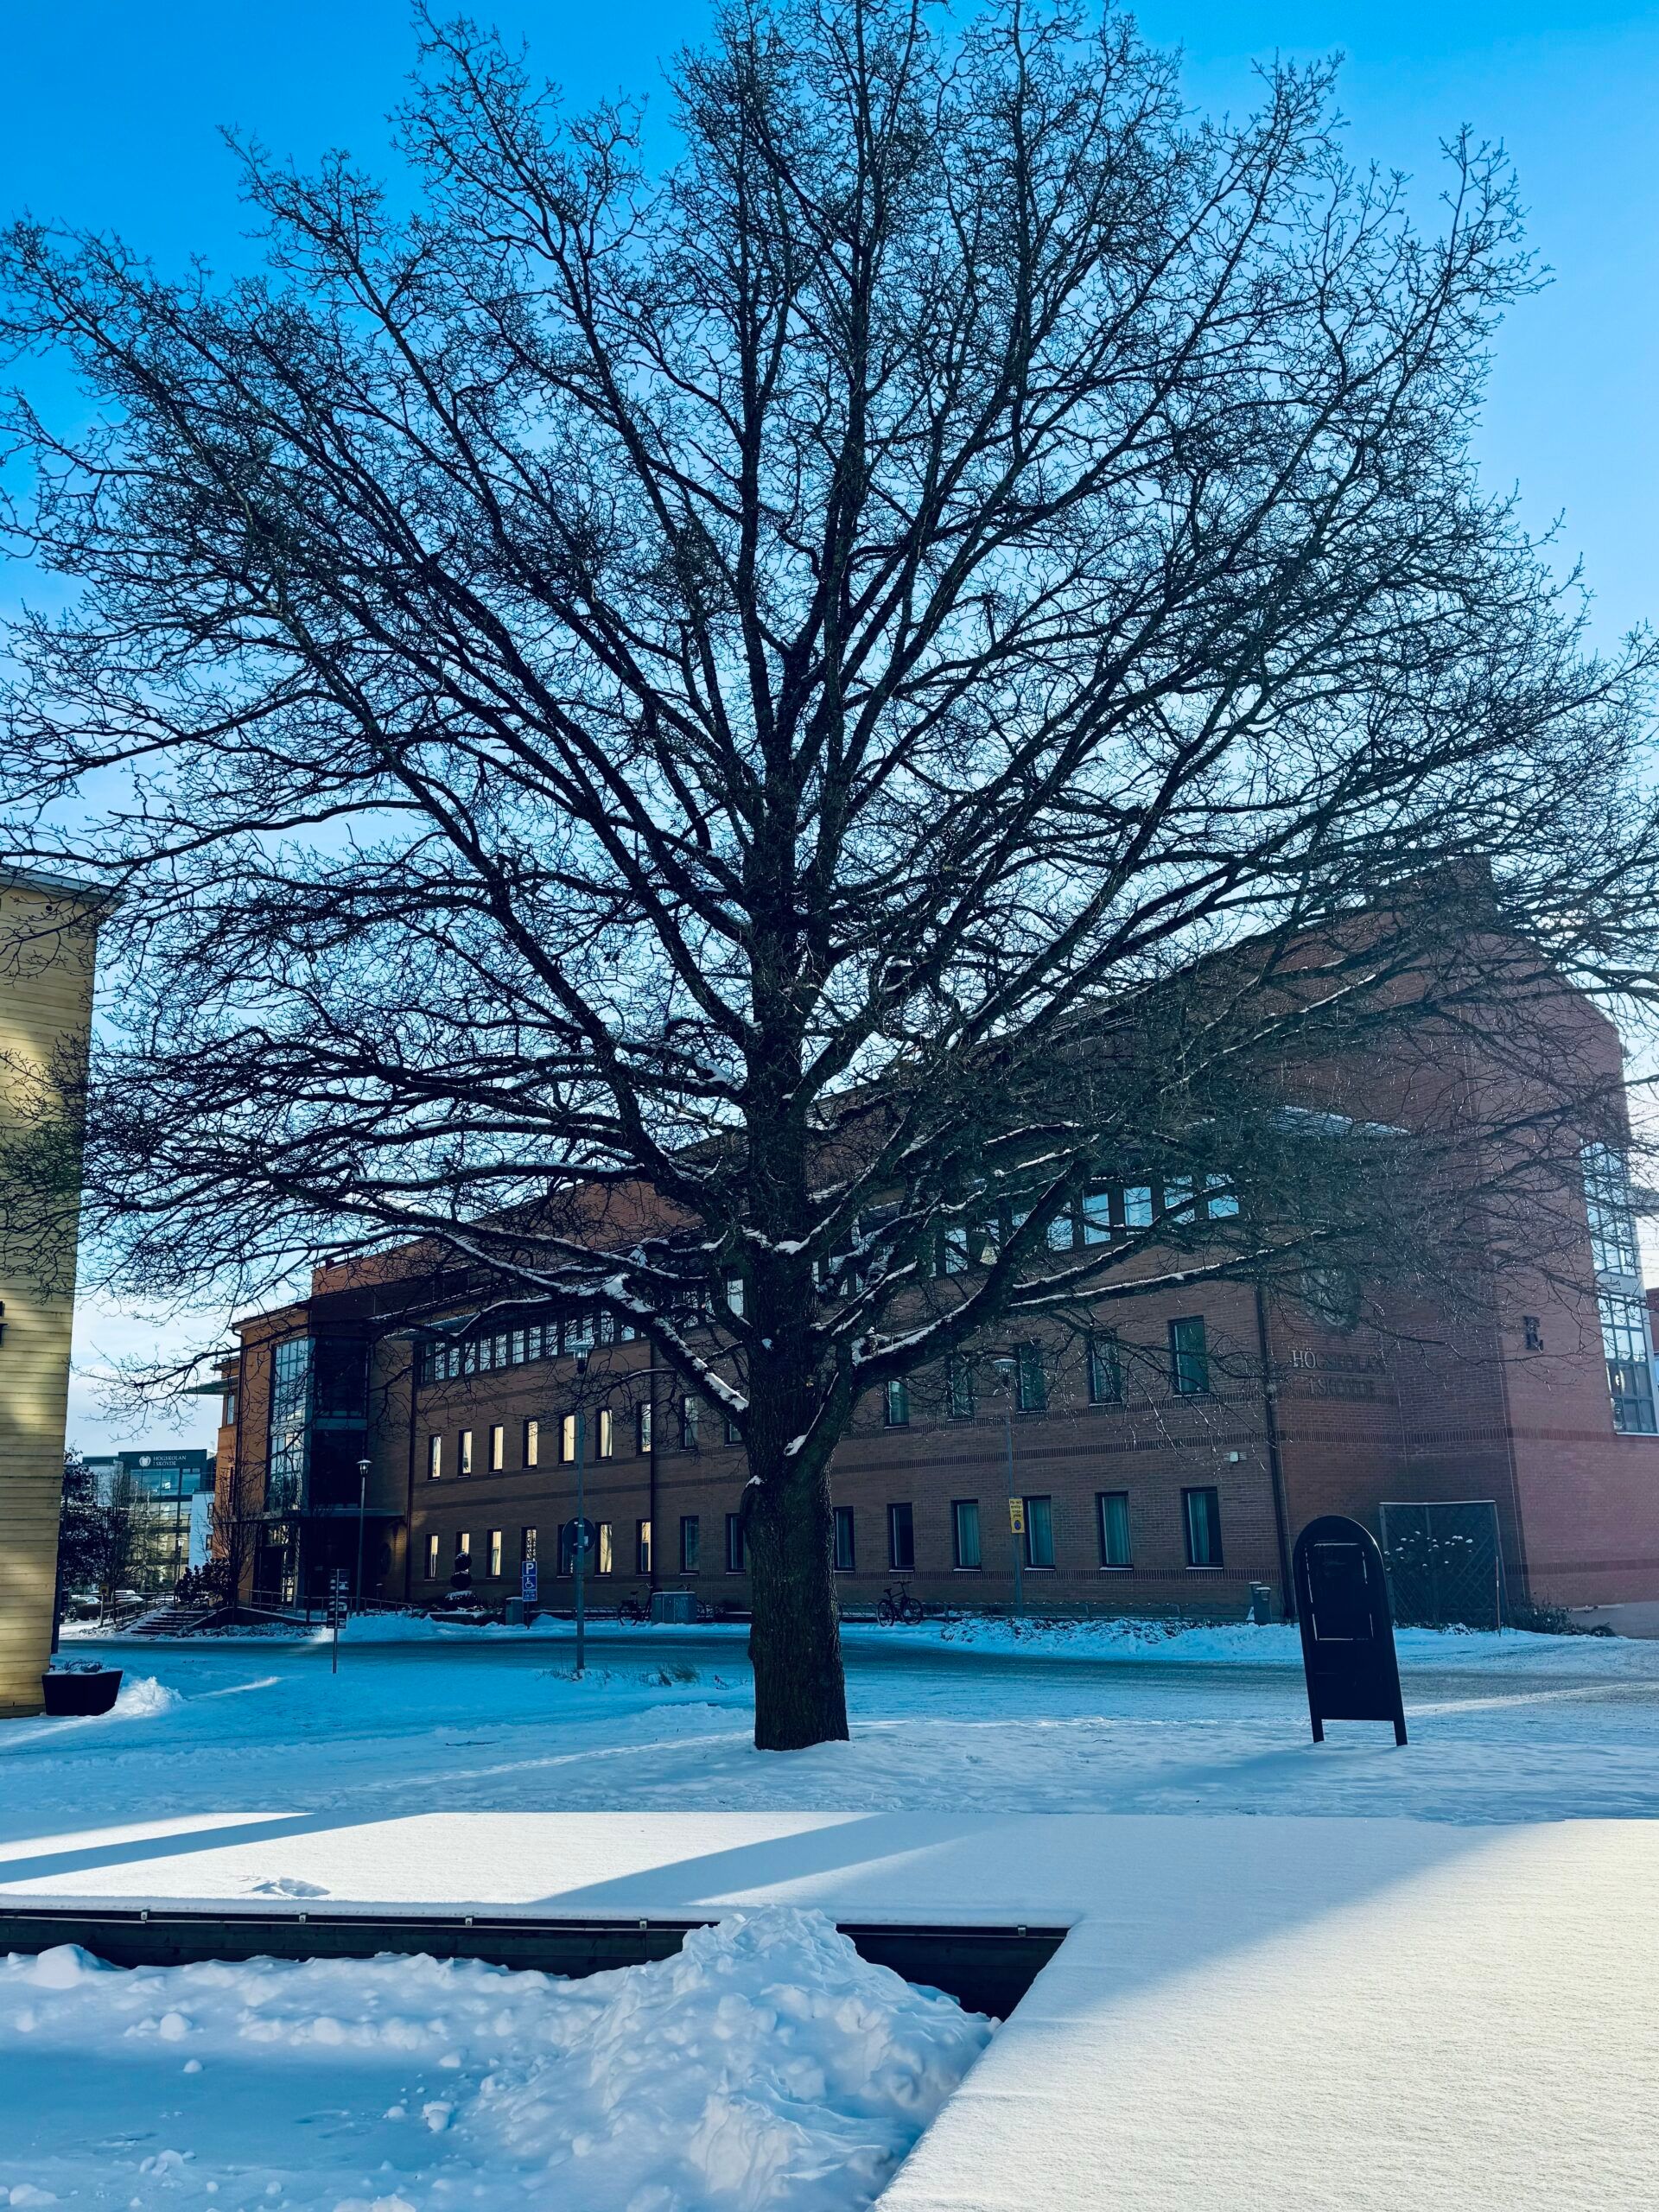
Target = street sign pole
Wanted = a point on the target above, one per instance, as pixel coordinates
(336, 1601)
(362, 1515)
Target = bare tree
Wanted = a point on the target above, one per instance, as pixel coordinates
(720, 739)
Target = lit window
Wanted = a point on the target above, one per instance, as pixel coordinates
(901, 1539)
(605, 1556)
(568, 1438)
(964, 1531)
(532, 1442)
(898, 1403)
(642, 1429)
(642, 1547)
(846, 1556)
(495, 1552)
(498, 1447)
(1112, 1514)
(603, 1433)
(431, 1559)
(433, 1457)
(1201, 1515)
(1189, 1356)
(464, 1462)
(463, 1548)
(1040, 1532)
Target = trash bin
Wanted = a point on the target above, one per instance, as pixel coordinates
(677, 1607)
(74, 1692)
(1261, 1603)
(515, 1612)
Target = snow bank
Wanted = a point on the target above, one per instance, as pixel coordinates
(766, 2065)
(141, 1697)
(1278, 1643)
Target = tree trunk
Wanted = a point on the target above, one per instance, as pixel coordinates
(800, 1697)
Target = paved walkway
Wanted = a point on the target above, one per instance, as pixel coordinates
(1375, 2015)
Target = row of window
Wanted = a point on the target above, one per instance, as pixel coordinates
(1200, 1525)
(594, 1436)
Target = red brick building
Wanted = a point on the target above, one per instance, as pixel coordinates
(1163, 1469)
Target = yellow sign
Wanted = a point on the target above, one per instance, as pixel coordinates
(1017, 1516)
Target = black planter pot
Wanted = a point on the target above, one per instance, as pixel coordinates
(75, 1696)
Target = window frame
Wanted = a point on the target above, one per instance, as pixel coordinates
(434, 1546)
(966, 1535)
(691, 1543)
(1103, 1355)
(1124, 1565)
(895, 1403)
(435, 1459)
(737, 1545)
(1034, 1565)
(1183, 1356)
(843, 1520)
(901, 1513)
(1212, 1514)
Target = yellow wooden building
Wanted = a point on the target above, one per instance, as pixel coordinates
(47, 942)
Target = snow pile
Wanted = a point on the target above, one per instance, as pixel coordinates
(141, 1697)
(766, 2065)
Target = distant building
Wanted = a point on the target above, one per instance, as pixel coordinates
(169, 1492)
(47, 946)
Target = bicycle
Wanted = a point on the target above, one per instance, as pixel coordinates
(632, 1614)
(895, 1607)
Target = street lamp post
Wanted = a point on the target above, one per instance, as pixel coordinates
(580, 1545)
(1008, 1370)
(362, 1516)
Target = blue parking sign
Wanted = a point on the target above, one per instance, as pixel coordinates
(527, 1582)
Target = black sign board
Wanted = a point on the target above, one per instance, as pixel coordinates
(1342, 1602)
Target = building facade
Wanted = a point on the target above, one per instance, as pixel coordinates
(47, 952)
(1505, 1454)
(166, 1493)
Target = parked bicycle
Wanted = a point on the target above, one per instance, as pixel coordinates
(896, 1607)
(632, 1614)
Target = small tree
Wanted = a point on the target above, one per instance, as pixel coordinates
(721, 739)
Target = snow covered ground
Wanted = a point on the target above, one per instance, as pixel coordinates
(767, 2064)
(1504, 1728)
(1445, 2009)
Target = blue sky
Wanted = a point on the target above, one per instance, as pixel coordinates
(109, 115)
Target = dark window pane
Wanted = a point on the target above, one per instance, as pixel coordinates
(1201, 1513)
(1189, 1356)
(901, 1539)
(1114, 1509)
(1030, 1386)
(691, 1543)
(1040, 1532)
(737, 1551)
(1105, 1374)
(846, 1556)
(964, 1526)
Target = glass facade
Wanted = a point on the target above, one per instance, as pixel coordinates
(1627, 1342)
(290, 1425)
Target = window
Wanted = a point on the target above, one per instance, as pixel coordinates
(1222, 1198)
(1105, 1372)
(568, 1438)
(734, 1295)
(691, 1543)
(1061, 1234)
(1178, 1198)
(642, 1429)
(464, 1548)
(897, 1406)
(526, 1545)
(960, 1377)
(1137, 1206)
(1201, 1512)
(1040, 1532)
(953, 1252)
(227, 1418)
(433, 1457)
(532, 1442)
(578, 1332)
(498, 1447)
(464, 1462)
(642, 1547)
(901, 1539)
(737, 1549)
(431, 1559)
(605, 1557)
(1630, 1368)
(495, 1551)
(688, 1424)
(1112, 1521)
(1029, 1388)
(1097, 1216)
(567, 1548)
(846, 1556)
(964, 1531)
(603, 1433)
(1607, 1202)
(733, 1433)
(1532, 1333)
(1189, 1356)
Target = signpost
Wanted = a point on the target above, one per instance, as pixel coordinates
(527, 1582)
(1342, 1604)
(579, 1537)
(339, 1606)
